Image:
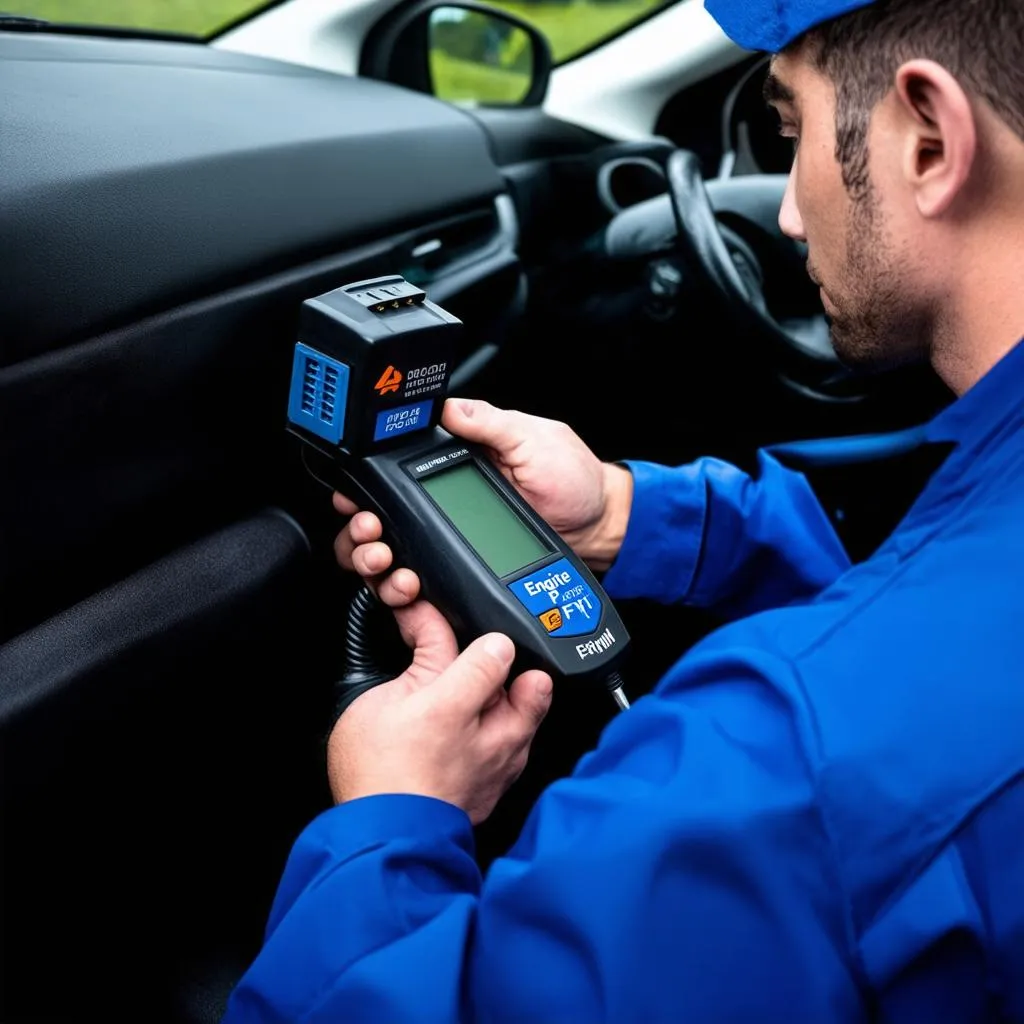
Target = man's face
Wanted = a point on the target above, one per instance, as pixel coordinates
(858, 247)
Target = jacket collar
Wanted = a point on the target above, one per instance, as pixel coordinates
(979, 412)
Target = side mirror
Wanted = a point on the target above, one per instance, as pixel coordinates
(462, 52)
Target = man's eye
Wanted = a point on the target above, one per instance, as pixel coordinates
(788, 131)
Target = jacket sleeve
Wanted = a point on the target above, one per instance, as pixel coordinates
(711, 536)
(683, 873)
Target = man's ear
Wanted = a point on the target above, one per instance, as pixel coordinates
(941, 141)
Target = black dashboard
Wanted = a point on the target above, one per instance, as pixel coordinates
(138, 175)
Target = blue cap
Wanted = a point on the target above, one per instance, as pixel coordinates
(773, 24)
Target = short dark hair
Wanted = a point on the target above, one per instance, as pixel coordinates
(979, 42)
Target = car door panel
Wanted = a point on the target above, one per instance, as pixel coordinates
(153, 767)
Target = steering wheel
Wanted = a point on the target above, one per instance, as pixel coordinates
(798, 345)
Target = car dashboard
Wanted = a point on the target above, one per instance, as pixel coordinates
(165, 208)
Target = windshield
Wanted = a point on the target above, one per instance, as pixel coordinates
(202, 18)
(571, 26)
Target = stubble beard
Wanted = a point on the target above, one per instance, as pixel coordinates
(876, 322)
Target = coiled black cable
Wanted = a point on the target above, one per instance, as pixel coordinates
(358, 657)
(362, 670)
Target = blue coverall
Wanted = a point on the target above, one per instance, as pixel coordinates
(817, 816)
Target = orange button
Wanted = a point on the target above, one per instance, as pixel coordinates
(551, 620)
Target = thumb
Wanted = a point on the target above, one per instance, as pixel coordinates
(530, 697)
(484, 423)
(478, 673)
(427, 632)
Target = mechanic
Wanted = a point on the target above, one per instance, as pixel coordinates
(819, 813)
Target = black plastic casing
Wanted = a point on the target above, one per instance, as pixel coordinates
(397, 344)
(453, 576)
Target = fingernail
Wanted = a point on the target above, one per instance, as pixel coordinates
(545, 687)
(499, 646)
(465, 406)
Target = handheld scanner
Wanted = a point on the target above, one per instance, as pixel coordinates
(369, 379)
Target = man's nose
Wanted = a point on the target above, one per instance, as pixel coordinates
(789, 215)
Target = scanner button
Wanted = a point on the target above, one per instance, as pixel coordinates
(551, 620)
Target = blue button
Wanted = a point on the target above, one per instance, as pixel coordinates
(560, 599)
(402, 420)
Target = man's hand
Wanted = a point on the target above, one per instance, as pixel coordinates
(446, 727)
(585, 500)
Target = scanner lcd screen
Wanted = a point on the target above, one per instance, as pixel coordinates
(504, 542)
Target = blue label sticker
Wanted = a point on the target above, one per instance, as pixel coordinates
(402, 420)
(560, 599)
(319, 392)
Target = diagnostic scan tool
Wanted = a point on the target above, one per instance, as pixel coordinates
(369, 381)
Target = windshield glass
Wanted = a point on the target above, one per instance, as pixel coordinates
(203, 18)
(571, 26)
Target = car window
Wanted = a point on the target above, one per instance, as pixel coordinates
(202, 18)
(571, 26)
(574, 26)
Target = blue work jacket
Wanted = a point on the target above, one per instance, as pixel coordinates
(817, 816)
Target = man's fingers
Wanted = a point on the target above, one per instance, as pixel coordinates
(346, 506)
(530, 697)
(402, 587)
(371, 560)
(432, 641)
(364, 528)
(359, 549)
(366, 559)
(343, 547)
(509, 723)
(484, 423)
(479, 672)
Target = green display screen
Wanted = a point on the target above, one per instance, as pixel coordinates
(493, 530)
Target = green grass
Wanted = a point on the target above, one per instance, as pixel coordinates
(460, 81)
(574, 27)
(192, 17)
(570, 28)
